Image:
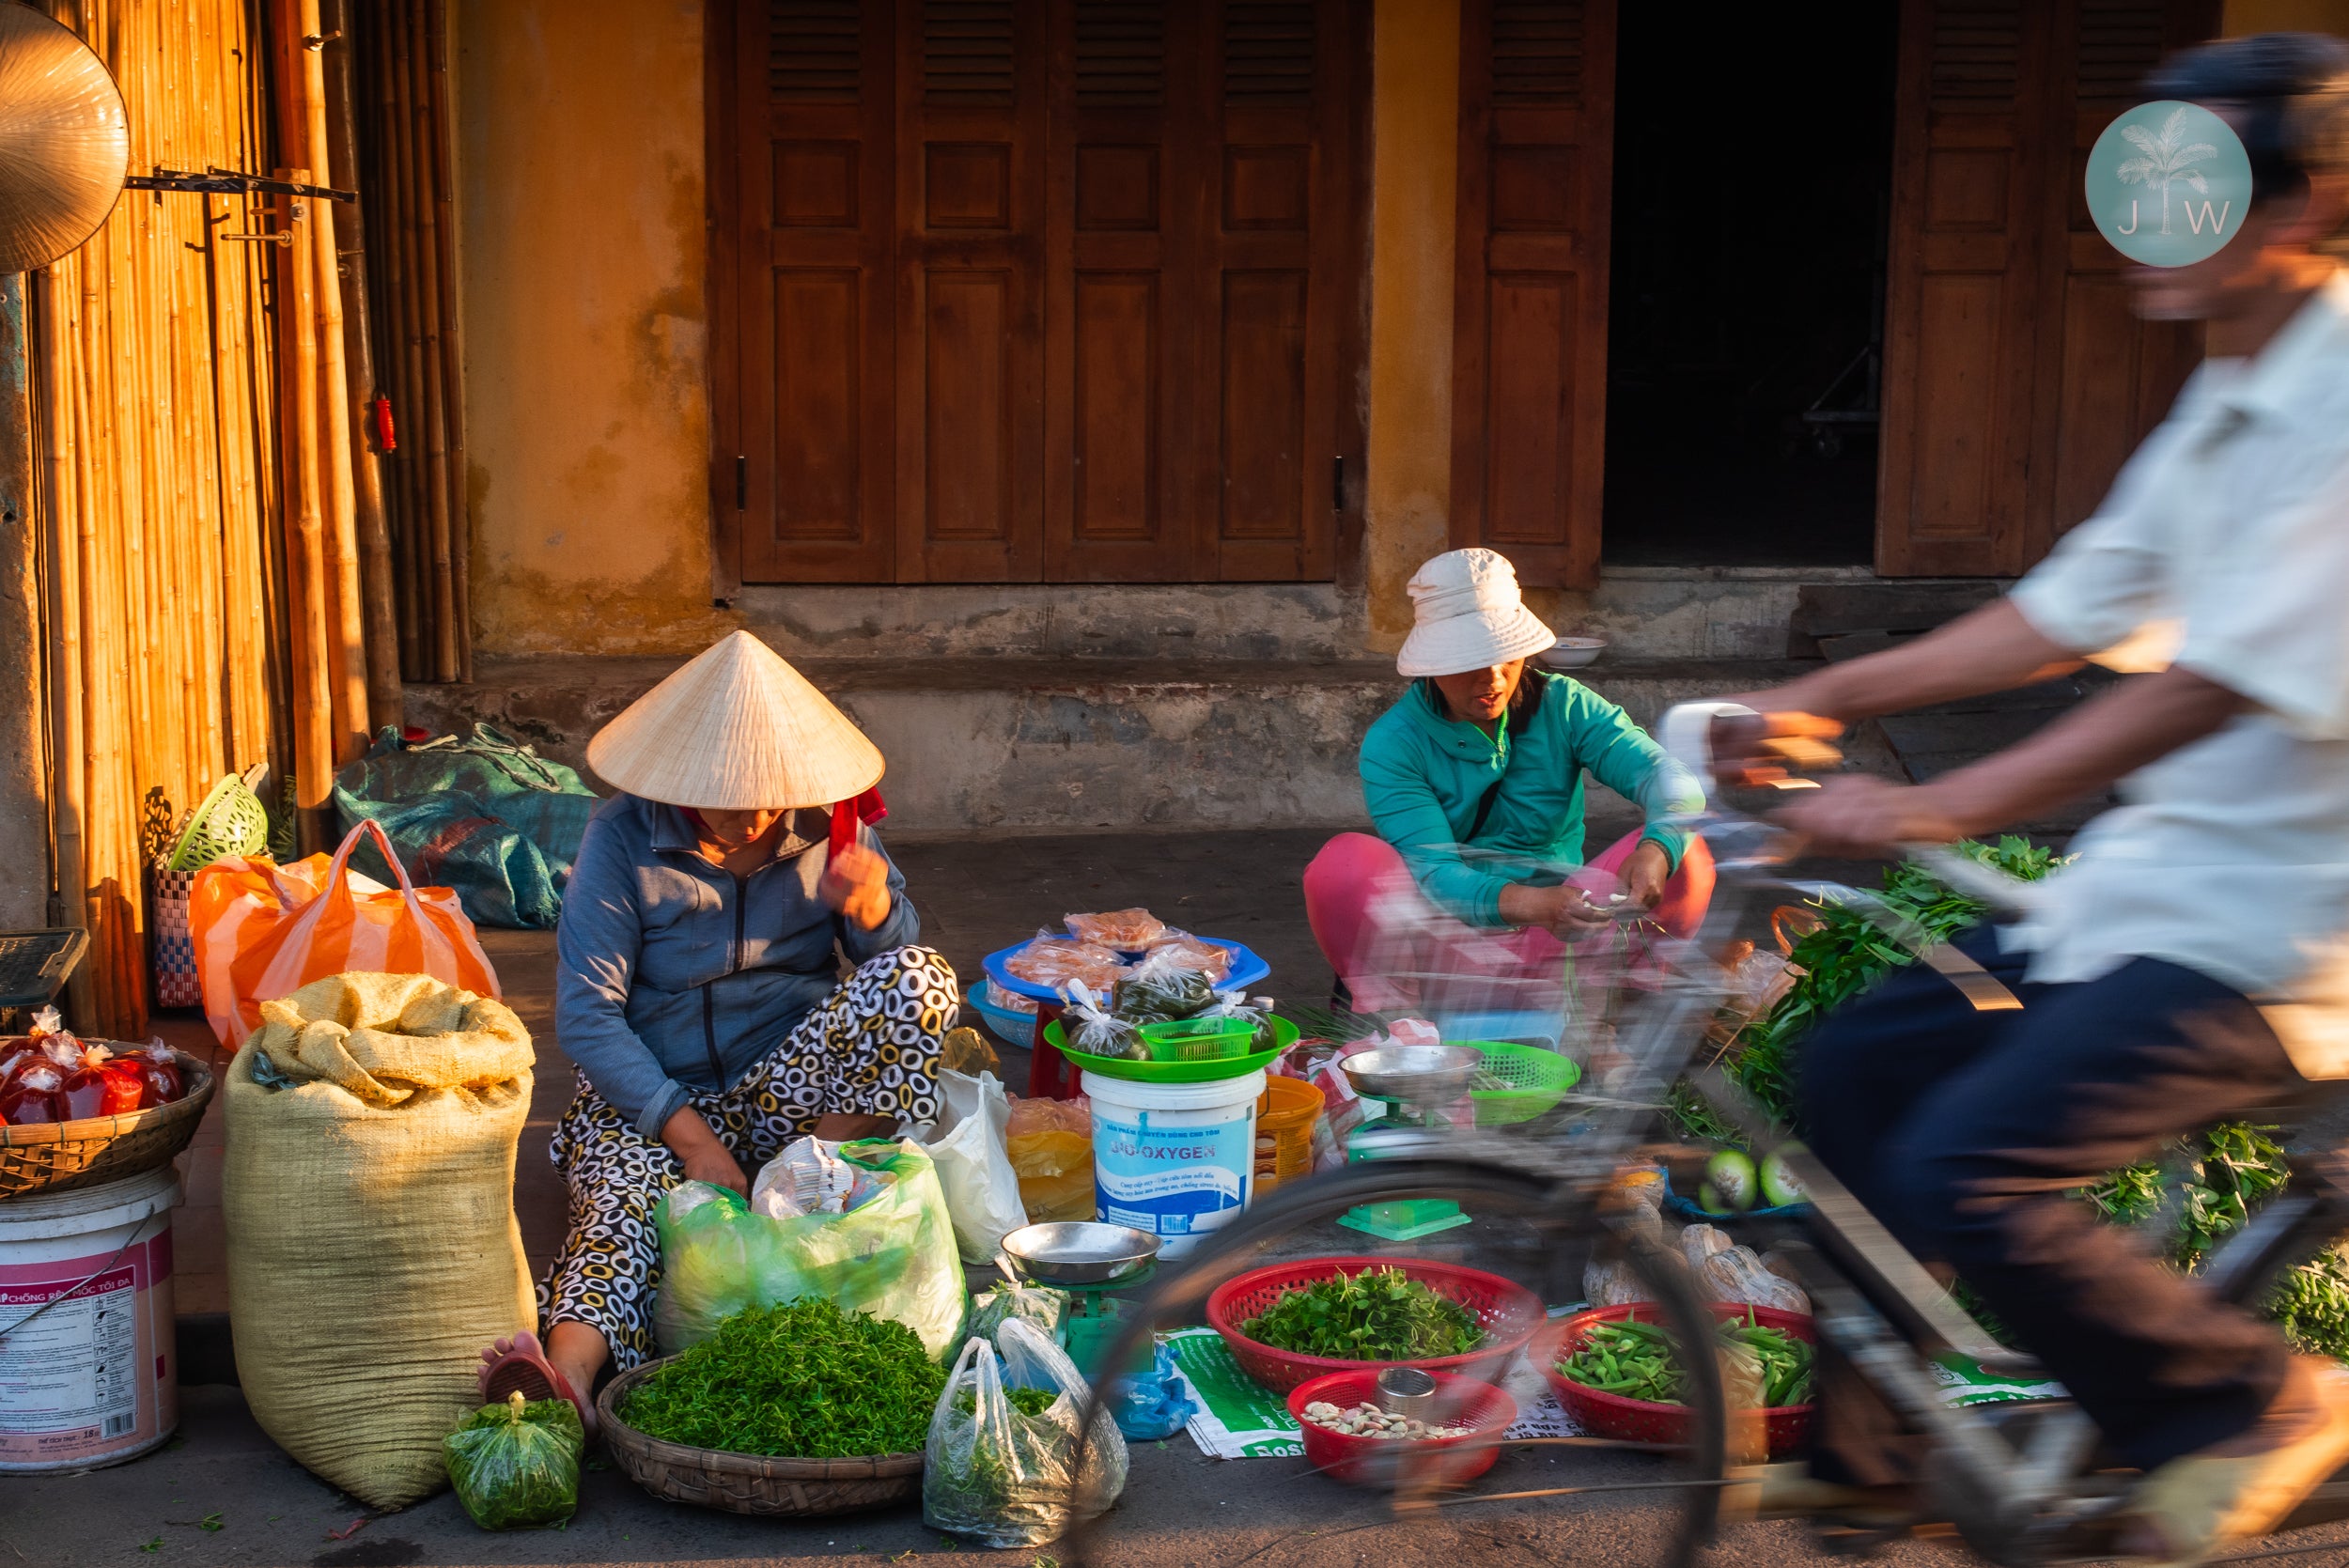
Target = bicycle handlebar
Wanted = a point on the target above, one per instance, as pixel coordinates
(1685, 733)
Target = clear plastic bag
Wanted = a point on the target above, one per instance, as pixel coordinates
(1127, 929)
(1736, 1275)
(515, 1465)
(1056, 961)
(1090, 1027)
(893, 1256)
(1164, 986)
(973, 1164)
(1041, 1305)
(1051, 1145)
(1004, 1478)
(1209, 958)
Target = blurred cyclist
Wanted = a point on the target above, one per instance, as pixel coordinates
(2193, 962)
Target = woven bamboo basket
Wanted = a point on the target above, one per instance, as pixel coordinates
(748, 1482)
(58, 1157)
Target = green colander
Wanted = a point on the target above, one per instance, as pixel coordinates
(230, 820)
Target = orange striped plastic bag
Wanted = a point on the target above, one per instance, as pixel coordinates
(264, 931)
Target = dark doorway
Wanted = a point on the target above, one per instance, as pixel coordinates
(1752, 180)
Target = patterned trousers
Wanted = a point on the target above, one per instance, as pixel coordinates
(870, 1048)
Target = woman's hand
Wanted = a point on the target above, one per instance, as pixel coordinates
(1761, 750)
(699, 1150)
(856, 886)
(1645, 873)
(1564, 911)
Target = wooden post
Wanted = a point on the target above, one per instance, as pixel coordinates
(305, 522)
(61, 542)
(23, 787)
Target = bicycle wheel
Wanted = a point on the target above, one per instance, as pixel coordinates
(1599, 1498)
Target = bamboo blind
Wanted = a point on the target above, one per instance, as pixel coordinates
(159, 410)
(408, 191)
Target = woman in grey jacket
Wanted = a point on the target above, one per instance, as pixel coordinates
(698, 990)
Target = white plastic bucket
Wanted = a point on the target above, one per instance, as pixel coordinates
(88, 1372)
(1174, 1160)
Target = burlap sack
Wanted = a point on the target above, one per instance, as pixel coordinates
(372, 1246)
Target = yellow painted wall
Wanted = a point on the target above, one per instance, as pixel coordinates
(579, 126)
(1414, 165)
(579, 131)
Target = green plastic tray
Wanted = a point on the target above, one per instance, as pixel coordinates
(1537, 1079)
(1283, 1037)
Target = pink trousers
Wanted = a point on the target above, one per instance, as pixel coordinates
(1394, 948)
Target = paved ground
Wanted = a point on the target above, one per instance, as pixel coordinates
(1180, 1509)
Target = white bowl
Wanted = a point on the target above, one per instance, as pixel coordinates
(1572, 653)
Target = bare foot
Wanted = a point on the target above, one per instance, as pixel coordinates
(520, 1365)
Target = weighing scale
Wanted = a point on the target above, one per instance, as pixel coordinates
(1416, 1082)
(1100, 1266)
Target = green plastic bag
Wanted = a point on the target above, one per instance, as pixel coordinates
(515, 1465)
(893, 1257)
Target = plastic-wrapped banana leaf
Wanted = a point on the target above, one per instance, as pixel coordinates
(1091, 1027)
(1163, 987)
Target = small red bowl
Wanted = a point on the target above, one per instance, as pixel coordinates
(1641, 1420)
(1383, 1461)
(1508, 1313)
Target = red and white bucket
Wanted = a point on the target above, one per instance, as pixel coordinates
(88, 1372)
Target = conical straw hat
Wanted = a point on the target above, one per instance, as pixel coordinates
(738, 729)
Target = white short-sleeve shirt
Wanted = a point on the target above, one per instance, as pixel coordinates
(2224, 549)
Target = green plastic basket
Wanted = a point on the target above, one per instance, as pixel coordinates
(1283, 1037)
(1198, 1039)
(230, 820)
(1536, 1080)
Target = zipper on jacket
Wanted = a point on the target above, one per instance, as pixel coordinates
(734, 966)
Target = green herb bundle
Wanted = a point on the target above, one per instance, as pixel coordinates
(1380, 1314)
(1028, 1401)
(2201, 1192)
(802, 1381)
(516, 1464)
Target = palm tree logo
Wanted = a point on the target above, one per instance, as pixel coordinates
(2166, 159)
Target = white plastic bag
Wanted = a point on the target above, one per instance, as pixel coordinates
(1004, 1478)
(972, 1153)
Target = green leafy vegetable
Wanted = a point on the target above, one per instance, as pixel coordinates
(1634, 1360)
(515, 1465)
(2199, 1194)
(802, 1380)
(1380, 1314)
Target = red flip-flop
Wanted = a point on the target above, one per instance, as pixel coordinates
(520, 1365)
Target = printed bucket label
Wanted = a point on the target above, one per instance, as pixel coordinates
(1177, 1180)
(82, 1373)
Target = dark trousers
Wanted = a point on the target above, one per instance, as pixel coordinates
(1962, 1131)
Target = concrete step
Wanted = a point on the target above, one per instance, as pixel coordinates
(1050, 745)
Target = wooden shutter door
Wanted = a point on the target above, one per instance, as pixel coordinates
(802, 286)
(969, 383)
(1273, 400)
(1961, 297)
(1529, 429)
(2112, 376)
(1123, 492)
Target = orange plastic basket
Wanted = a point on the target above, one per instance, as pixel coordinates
(1284, 1130)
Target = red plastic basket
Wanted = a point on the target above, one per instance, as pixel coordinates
(1383, 1461)
(1508, 1313)
(1640, 1421)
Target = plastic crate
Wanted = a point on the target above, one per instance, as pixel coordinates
(35, 965)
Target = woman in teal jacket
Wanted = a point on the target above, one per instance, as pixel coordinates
(1483, 754)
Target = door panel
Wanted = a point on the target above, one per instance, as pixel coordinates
(1530, 304)
(805, 232)
(970, 386)
(1025, 290)
(2017, 380)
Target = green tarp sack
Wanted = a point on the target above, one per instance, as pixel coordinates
(484, 816)
(893, 1257)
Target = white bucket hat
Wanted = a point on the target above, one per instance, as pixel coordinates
(736, 729)
(1468, 615)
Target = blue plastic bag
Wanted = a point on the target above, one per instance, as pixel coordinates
(1152, 1404)
(487, 816)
